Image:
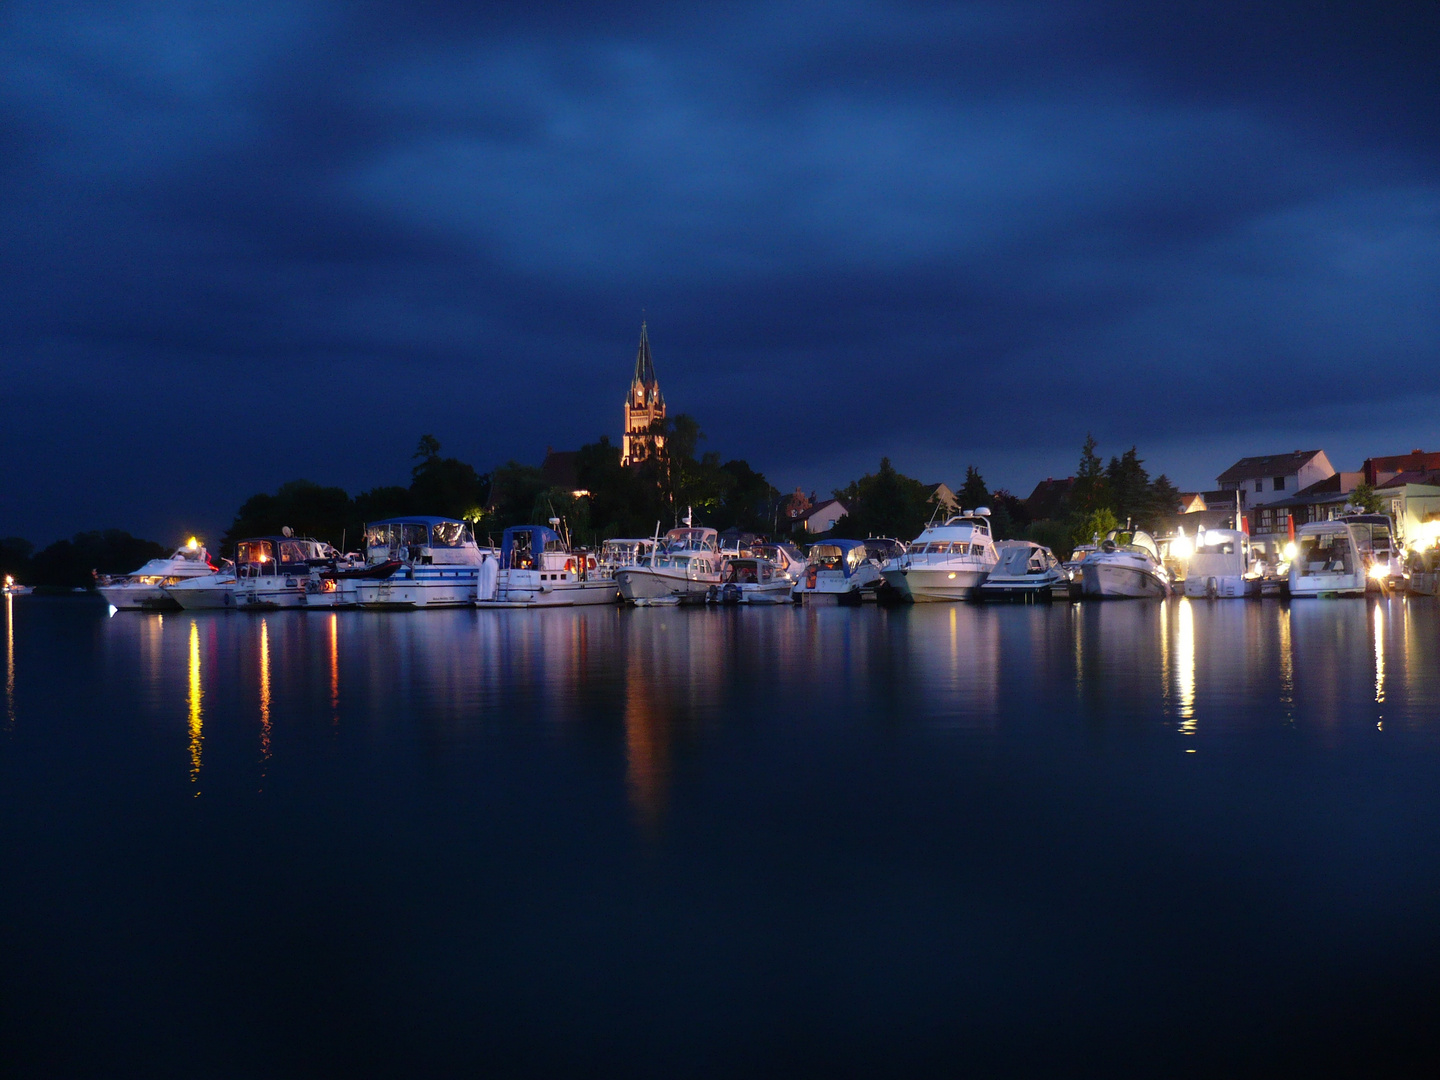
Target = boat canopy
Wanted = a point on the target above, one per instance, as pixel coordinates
(418, 531)
(1021, 557)
(519, 545)
(692, 539)
(845, 555)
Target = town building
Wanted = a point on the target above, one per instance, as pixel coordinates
(644, 409)
(1412, 499)
(1273, 477)
(821, 517)
(1047, 502)
(1381, 470)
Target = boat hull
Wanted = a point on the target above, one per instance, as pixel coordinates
(1328, 585)
(525, 588)
(419, 587)
(210, 596)
(1222, 587)
(647, 583)
(1038, 588)
(138, 598)
(778, 592)
(1119, 581)
(924, 585)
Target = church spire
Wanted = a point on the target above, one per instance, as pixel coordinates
(644, 408)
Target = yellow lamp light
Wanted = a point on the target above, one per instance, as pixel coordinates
(1181, 548)
(1289, 552)
(1379, 571)
(193, 544)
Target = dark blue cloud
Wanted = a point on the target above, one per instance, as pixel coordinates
(239, 248)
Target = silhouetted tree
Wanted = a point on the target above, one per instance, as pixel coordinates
(1090, 491)
(973, 492)
(325, 513)
(68, 563)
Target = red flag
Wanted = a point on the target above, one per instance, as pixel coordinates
(1290, 527)
(1245, 524)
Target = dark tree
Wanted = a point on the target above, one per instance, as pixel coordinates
(325, 513)
(15, 558)
(514, 488)
(68, 563)
(973, 492)
(1091, 491)
(887, 503)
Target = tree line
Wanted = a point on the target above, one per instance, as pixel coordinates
(612, 499)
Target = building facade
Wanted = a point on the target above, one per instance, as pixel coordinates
(644, 409)
(1273, 477)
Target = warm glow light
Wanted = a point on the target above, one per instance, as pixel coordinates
(1289, 551)
(1379, 571)
(1181, 548)
(1379, 621)
(193, 544)
(195, 698)
(952, 575)
(9, 662)
(264, 691)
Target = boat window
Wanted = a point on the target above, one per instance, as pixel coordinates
(1327, 553)
(414, 535)
(827, 557)
(291, 552)
(253, 551)
(379, 536)
(855, 556)
(450, 534)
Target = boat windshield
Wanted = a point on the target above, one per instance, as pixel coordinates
(828, 557)
(1325, 553)
(744, 572)
(451, 534)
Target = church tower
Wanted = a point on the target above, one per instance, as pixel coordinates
(643, 407)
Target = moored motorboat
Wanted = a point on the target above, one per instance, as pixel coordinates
(273, 572)
(681, 569)
(144, 589)
(10, 588)
(619, 553)
(538, 568)
(1327, 561)
(419, 562)
(212, 592)
(1125, 570)
(1223, 565)
(752, 580)
(947, 561)
(1024, 571)
(841, 572)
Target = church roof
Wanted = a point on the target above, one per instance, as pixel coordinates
(644, 365)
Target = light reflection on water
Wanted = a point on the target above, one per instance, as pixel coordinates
(672, 675)
(194, 700)
(9, 661)
(729, 815)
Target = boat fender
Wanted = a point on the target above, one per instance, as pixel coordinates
(1212, 588)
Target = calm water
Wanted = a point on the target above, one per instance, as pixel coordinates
(1114, 838)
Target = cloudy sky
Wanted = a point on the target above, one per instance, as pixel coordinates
(241, 244)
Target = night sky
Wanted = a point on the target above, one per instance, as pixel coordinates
(243, 244)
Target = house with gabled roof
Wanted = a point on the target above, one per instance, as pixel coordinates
(1272, 477)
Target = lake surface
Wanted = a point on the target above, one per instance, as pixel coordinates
(1124, 838)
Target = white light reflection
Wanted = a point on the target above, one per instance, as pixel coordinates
(196, 695)
(1379, 622)
(1165, 653)
(1185, 665)
(1287, 666)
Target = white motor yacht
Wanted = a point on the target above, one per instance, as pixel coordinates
(212, 592)
(414, 562)
(949, 561)
(844, 571)
(1025, 571)
(1126, 570)
(1222, 565)
(1327, 561)
(752, 580)
(682, 568)
(12, 589)
(537, 568)
(277, 571)
(144, 589)
(1381, 553)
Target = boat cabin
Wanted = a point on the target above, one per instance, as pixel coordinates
(616, 554)
(1021, 558)
(846, 556)
(749, 571)
(691, 539)
(269, 555)
(420, 540)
